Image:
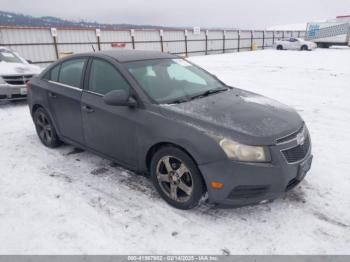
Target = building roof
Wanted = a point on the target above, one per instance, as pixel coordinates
(124, 55)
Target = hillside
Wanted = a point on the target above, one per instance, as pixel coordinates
(8, 18)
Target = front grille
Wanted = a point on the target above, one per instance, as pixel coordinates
(298, 152)
(17, 79)
(290, 136)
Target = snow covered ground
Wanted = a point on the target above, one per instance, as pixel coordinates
(64, 201)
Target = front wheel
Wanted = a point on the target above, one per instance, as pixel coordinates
(177, 178)
(279, 47)
(304, 48)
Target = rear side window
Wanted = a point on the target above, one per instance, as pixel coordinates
(71, 72)
(105, 78)
(52, 75)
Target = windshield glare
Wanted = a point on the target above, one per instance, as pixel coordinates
(170, 80)
(9, 57)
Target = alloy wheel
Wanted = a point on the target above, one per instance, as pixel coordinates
(174, 178)
(44, 128)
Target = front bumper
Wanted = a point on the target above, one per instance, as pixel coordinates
(8, 91)
(251, 183)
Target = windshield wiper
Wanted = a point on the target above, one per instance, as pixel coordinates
(206, 93)
(179, 101)
(209, 92)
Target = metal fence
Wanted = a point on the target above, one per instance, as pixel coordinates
(45, 45)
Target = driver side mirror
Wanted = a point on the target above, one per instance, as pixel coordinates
(119, 98)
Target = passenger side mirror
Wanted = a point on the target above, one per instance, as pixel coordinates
(119, 98)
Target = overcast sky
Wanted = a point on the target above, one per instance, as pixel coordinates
(252, 14)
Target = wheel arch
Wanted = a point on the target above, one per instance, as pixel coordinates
(36, 107)
(155, 147)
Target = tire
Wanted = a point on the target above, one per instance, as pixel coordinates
(177, 178)
(304, 48)
(45, 129)
(279, 47)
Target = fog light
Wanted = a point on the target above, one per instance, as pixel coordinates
(217, 185)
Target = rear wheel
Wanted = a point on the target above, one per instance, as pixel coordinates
(177, 178)
(279, 47)
(45, 129)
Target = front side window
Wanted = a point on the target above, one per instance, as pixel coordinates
(105, 78)
(170, 80)
(71, 72)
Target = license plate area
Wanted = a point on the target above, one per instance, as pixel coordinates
(23, 91)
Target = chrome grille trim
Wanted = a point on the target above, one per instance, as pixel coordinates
(16, 79)
(291, 136)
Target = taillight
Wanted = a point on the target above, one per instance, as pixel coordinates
(28, 85)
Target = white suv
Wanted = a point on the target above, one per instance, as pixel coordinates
(294, 44)
(15, 71)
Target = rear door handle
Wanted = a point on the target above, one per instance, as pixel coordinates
(52, 95)
(88, 109)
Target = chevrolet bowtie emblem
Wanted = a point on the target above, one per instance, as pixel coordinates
(300, 138)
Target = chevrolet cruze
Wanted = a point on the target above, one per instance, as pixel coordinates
(159, 114)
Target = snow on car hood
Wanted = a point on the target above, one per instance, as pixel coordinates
(241, 115)
(18, 69)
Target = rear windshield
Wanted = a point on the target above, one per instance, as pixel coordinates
(9, 57)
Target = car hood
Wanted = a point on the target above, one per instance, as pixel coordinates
(18, 69)
(240, 115)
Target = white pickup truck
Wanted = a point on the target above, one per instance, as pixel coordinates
(15, 71)
(331, 32)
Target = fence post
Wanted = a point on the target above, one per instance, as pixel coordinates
(263, 43)
(161, 40)
(132, 32)
(273, 38)
(186, 51)
(239, 41)
(223, 41)
(98, 35)
(54, 37)
(282, 35)
(298, 34)
(206, 41)
(251, 40)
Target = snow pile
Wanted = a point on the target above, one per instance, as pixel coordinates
(65, 201)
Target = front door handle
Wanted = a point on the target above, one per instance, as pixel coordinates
(52, 95)
(88, 109)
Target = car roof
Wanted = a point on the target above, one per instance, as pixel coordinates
(134, 55)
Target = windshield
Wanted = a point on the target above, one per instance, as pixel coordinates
(173, 80)
(9, 57)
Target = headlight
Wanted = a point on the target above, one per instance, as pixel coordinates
(240, 152)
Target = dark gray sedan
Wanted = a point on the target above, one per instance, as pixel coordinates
(159, 114)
